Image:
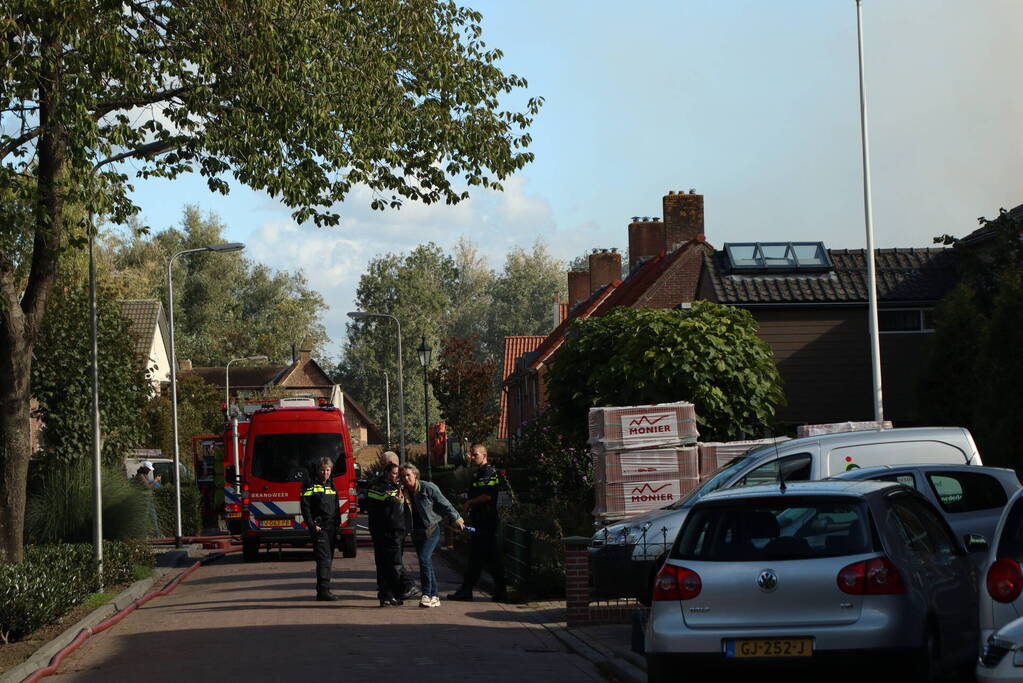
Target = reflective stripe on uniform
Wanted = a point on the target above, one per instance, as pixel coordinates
(319, 488)
(492, 481)
(381, 495)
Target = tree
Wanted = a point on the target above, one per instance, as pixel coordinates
(416, 288)
(198, 415)
(463, 387)
(708, 354)
(302, 99)
(62, 380)
(225, 306)
(525, 294)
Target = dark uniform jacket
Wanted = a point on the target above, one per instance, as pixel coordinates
(319, 505)
(487, 481)
(386, 511)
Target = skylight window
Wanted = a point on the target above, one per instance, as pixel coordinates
(777, 256)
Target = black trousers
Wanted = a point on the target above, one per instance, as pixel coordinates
(324, 543)
(484, 553)
(387, 550)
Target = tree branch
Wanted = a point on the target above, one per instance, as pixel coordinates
(104, 108)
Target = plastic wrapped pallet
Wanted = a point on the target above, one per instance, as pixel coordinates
(715, 454)
(619, 466)
(839, 427)
(662, 425)
(625, 499)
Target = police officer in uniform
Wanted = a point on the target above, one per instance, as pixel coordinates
(320, 512)
(389, 518)
(482, 512)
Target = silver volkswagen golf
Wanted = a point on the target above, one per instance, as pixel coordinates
(814, 571)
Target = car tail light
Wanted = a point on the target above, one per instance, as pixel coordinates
(233, 507)
(1004, 580)
(871, 577)
(353, 501)
(676, 583)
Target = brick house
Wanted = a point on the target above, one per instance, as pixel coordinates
(150, 331)
(814, 316)
(665, 261)
(302, 377)
(811, 310)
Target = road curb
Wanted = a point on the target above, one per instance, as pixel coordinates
(42, 656)
(606, 660)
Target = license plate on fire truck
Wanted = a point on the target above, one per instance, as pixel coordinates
(276, 523)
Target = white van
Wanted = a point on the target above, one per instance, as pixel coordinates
(625, 556)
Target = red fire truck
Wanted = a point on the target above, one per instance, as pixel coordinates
(277, 449)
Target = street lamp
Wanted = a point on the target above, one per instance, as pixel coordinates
(148, 150)
(424, 360)
(363, 315)
(227, 378)
(387, 406)
(875, 342)
(223, 247)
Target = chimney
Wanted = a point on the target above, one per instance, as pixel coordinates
(646, 239)
(305, 355)
(605, 267)
(683, 218)
(185, 365)
(578, 286)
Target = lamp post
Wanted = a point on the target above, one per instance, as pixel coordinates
(424, 360)
(387, 406)
(227, 378)
(223, 247)
(147, 150)
(362, 315)
(875, 342)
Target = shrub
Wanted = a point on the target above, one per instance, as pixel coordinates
(191, 515)
(60, 506)
(52, 579)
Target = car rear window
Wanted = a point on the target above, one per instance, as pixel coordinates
(967, 491)
(294, 457)
(791, 529)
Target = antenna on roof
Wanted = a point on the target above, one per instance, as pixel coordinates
(781, 478)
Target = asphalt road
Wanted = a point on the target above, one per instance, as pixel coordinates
(232, 620)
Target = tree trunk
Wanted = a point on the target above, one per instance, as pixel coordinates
(15, 447)
(21, 310)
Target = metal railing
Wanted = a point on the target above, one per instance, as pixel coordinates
(517, 549)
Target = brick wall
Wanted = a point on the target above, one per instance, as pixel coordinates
(683, 217)
(680, 282)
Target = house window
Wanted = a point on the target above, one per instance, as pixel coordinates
(905, 320)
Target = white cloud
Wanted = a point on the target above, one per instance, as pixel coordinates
(335, 258)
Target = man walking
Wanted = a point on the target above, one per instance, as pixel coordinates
(481, 509)
(319, 510)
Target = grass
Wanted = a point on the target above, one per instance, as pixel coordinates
(142, 572)
(97, 599)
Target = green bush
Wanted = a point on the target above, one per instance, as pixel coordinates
(60, 505)
(53, 579)
(191, 514)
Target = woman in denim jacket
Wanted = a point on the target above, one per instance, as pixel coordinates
(429, 508)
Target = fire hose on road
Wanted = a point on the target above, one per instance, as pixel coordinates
(85, 633)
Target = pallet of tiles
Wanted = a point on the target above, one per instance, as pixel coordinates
(619, 466)
(839, 427)
(714, 455)
(662, 425)
(625, 499)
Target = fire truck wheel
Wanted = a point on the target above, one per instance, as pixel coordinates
(348, 548)
(250, 549)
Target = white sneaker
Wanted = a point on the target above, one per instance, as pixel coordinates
(435, 601)
(426, 601)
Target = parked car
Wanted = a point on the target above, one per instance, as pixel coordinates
(164, 466)
(814, 571)
(1001, 660)
(625, 557)
(970, 498)
(1000, 601)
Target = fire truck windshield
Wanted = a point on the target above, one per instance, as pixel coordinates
(293, 457)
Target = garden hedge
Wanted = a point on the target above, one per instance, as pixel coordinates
(52, 579)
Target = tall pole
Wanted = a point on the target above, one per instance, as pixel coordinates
(97, 465)
(359, 315)
(387, 406)
(875, 342)
(232, 246)
(426, 414)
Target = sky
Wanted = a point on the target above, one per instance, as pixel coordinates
(753, 104)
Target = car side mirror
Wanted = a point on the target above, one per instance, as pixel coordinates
(975, 543)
